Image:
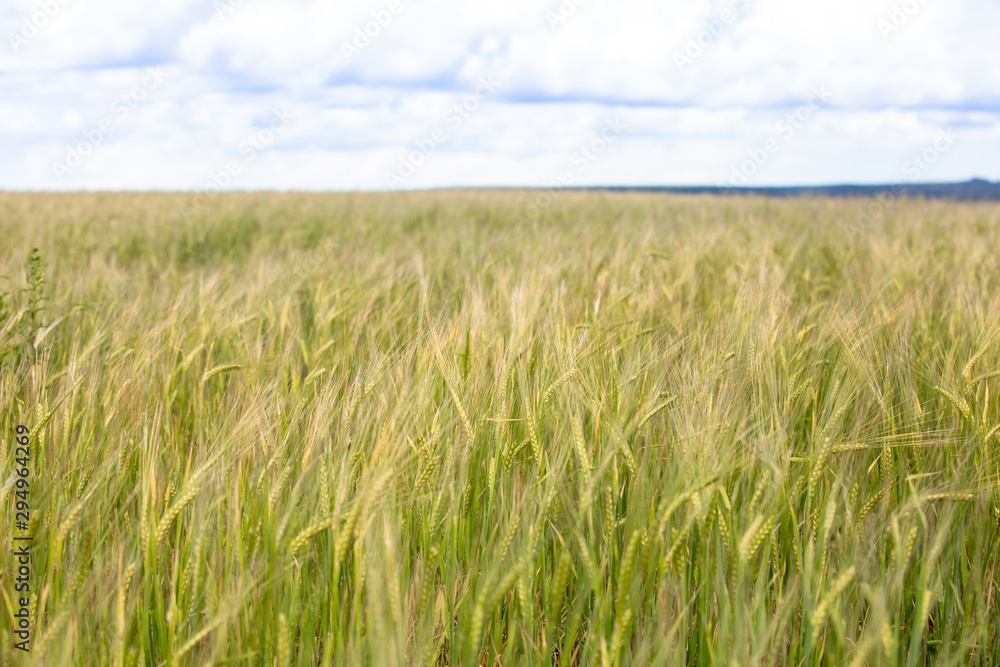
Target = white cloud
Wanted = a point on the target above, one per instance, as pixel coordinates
(354, 120)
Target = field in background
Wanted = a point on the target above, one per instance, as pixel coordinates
(429, 429)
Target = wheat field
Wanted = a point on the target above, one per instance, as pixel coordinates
(494, 428)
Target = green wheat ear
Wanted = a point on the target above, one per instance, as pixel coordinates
(267, 434)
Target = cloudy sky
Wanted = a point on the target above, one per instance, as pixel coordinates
(379, 94)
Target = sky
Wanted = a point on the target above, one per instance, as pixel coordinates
(412, 94)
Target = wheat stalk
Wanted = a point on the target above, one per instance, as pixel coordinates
(819, 615)
(219, 370)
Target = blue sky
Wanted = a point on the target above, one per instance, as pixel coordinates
(400, 94)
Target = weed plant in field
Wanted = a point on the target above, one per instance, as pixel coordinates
(406, 429)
